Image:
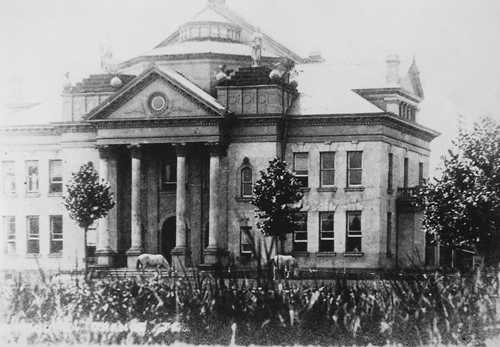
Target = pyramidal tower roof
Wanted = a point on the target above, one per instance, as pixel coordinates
(219, 30)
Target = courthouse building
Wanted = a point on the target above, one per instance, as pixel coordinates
(181, 133)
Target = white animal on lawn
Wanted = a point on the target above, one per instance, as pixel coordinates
(286, 264)
(152, 260)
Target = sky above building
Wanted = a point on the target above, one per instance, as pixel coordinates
(455, 44)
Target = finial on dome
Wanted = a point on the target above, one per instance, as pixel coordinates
(116, 82)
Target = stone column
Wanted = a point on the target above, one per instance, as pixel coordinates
(135, 208)
(213, 205)
(104, 251)
(179, 253)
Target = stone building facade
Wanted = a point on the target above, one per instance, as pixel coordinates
(181, 139)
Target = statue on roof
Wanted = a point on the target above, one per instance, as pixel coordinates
(109, 63)
(256, 48)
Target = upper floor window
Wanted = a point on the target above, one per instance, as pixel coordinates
(55, 176)
(354, 168)
(245, 242)
(168, 174)
(9, 227)
(9, 177)
(300, 233)
(353, 242)
(327, 169)
(390, 171)
(326, 233)
(32, 176)
(301, 168)
(246, 182)
(33, 234)
(56, 234)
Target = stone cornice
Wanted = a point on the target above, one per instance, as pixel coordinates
(157, 122)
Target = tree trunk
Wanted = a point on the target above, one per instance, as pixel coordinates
(85, 252)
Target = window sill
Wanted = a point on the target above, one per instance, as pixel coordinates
(243, 198)
(354, 254)
(167, 192)
(326, 254)
(32, 255)
(58, 194)
(327, 189)
(354, 189)
(305, 189)
(55, 255)
(33, 195)
(301, 254)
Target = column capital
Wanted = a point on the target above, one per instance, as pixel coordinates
(180, 149)
(215, 149)
(106, 151)
(135, 149)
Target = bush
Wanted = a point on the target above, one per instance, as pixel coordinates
(201, 310)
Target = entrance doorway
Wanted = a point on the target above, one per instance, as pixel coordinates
(168, 238)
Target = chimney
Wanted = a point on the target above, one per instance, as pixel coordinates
(392, 73)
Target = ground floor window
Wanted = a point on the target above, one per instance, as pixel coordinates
(326, 234)
(353, 242)
(56, 234)
(245, 241)
(300, 233)
(9, 227)
(33, 234)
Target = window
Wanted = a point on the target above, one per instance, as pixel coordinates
(9, 227)
(390, 171)
(168, 174)
(354, 168)
(326, 234)
(33, 233)
(327, 169)
(9, 177)
(55, 176)
(246, 182)
(353, 242)
(405, 173)
(245, 243)
(420, 173)
(300, 233)
(300, 168)
(32, 176)
(389, 234)
(56, 234)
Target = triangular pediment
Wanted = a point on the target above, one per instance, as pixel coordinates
(158, 93)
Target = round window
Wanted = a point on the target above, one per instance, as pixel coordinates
(158, 102)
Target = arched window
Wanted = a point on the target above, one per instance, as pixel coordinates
(246, 182)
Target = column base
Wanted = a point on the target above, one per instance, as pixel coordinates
(179, 258)
(105, 257)
(210, 256)
(132, 255)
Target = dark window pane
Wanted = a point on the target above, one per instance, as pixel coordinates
(246, 189)
(33, 246)
(353, 244)
(326, 245)
(354, 222)
(300, 162)
(300, 246)
(301, 236)
(168, 174)
(303, 181)
(326, 222)
(327, 235)
(327, 160)
(327, 178)
(246, 174)
(354, 160)
(354, 177)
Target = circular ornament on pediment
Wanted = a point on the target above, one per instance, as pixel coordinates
(158, 103)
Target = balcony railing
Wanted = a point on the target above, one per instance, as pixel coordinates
(406, 197)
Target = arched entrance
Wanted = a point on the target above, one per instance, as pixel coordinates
(168, 238)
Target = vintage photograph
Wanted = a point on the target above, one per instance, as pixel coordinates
(249, 172)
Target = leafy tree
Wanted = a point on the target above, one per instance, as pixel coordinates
(87, 199)
(462, 206)
(276, 195)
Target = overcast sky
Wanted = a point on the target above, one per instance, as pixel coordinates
(456, 43)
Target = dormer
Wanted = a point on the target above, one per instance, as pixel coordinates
(401, 94)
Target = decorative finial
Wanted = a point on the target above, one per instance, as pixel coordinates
(67, 83)
(108, 63)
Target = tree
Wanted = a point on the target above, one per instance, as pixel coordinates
(276, 195)
(87, 199)
(462, 206)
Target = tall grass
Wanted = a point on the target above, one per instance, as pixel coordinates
(418, 311)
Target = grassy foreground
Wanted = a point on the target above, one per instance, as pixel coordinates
(431, 309)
